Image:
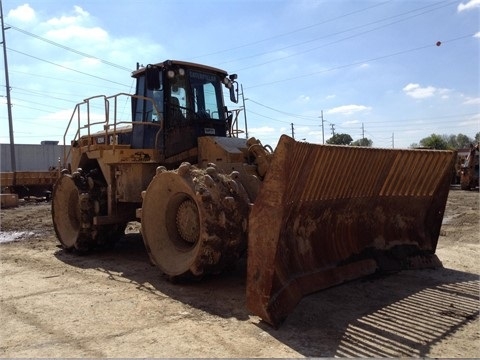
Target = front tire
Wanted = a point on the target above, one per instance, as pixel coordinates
(194, 221)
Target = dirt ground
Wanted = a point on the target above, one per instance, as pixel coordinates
(115, 304)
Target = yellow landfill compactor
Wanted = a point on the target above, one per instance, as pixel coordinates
(307, 216)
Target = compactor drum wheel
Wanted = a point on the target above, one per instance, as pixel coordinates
(76, 200)
(194, 221)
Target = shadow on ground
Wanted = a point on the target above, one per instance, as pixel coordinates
(403, 314)
(400, 315)
(222, 295)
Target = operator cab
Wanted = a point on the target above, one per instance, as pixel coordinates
(176, 103)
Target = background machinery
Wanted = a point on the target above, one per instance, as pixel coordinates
(469, 170)
(307, 216)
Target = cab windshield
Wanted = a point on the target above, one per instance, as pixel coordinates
(206, 95)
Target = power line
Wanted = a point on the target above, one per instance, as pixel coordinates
(293, 31)
(70, 49)
(70, 81)
(284, 112)
(28, 92)
(403, 122)
(263, 40)
(305, 117)
(267, 117)
(252, 43)
(50, 106)
(428, 118)
(67, 68)
(361, 62)
(337, 33)
(32, 108)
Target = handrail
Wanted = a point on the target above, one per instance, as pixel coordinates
(115, 122)
(107, 124)
(89, 125)
(234, 130)
(65, 155)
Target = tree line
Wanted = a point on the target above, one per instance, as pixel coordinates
(434, 141)
(448, 142)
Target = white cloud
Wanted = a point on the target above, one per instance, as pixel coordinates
(349, 109)
(74, 26)
(417, 92)
(303, 99)
(261, 130)
(79, 16)
(444, 93)
(267, 135)
(477, 35)
(472, 101)
(23, 13)
(77, 32)
(302, 129)
(78, 29)
(80, 11)
(351, 122)
(472, 4)
(59, 116)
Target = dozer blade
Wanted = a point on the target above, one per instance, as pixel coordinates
(328, 214)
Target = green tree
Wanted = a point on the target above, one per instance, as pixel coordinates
(340, 139)
(463, 141)
(435, 141)
(362, 142)
(459, 141)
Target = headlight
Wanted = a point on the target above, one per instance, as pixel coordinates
(171, 74)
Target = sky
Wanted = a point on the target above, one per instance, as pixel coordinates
(392, 71)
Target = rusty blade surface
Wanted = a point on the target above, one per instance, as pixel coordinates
(327, 214)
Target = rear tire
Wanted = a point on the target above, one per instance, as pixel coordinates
(73, 209)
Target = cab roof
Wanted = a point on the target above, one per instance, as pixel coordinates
(169, 63)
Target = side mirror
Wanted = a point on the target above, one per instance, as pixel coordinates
(233, 93)
(229, 83)
(152, 77)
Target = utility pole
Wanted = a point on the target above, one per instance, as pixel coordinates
(393, 140)
(323, 130)
(293, 131)
(332, 126)
(244, 112)
(363, 132)
(9, 102)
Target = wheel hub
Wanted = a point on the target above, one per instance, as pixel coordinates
(188, 223)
